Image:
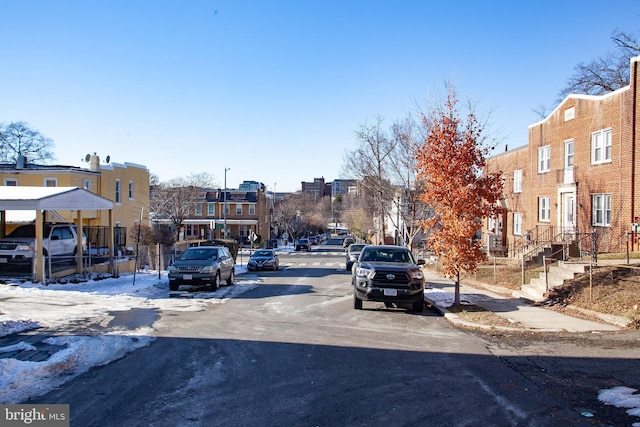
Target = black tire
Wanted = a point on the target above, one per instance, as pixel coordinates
(357, 302)
(215, 284)
(173, 286)
(231, 278)
(418, 306)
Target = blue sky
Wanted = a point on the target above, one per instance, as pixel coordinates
(275, 90)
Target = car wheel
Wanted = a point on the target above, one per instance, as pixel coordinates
(357, 302)
(418, 306)
(215, 284)
(173, 286)
(230, 279)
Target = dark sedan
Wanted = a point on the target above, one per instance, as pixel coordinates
(263, 259)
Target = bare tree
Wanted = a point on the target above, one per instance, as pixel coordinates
(292, 215)
(370, 164)
(175, 199)
(410, 210)
(18, 140)
(606, 73)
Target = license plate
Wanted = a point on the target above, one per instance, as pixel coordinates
(390, 292)
(186, 277)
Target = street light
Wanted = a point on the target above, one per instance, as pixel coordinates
(224, 207)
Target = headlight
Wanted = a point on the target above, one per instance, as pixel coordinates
(416, 274)
(207, 269)
(172, 268)
(364, 272)
(24, 248)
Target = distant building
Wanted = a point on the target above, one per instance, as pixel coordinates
(343, 186)
(318, 187)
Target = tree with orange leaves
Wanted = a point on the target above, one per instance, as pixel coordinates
(450, 161)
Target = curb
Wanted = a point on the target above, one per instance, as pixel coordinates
(455, 319)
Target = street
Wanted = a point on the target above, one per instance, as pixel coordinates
(293, 351)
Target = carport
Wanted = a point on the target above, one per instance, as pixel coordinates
(41, 199)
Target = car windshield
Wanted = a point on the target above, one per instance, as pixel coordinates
(388, 255)
(194, 254)
(356, 247)
(262, 253)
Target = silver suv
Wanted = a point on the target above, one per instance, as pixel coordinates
(203, 265)
(59, 239)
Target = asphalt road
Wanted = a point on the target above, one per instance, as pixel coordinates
(294, 352)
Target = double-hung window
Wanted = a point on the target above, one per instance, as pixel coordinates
(544, 209)
(517, 181)
(601, 205)
(118, 189)
(544, 159)
(517, 223)
(601, 147)
(211, 209)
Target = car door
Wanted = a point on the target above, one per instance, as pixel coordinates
(226, 262)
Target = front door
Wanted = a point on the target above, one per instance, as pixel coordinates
(568, 213)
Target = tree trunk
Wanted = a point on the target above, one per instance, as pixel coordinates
(457, 290)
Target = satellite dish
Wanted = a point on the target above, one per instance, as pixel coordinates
(87, 157)
(107, 159)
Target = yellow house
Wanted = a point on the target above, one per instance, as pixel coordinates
(126, 184)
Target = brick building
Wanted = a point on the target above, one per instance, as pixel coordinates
(578, 173)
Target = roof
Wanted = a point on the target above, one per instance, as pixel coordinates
(51, 198)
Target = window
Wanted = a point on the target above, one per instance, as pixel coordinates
(601, 147)
(86, 184)
(117, 191)
(544, 209)
(211, 209)
(517, 181)
(494, 225)
(601, 215)
(517, 223)
(226, 209)
(198, 209)
(252, 209)
(130, 190)
(238, 209)
(51, 182)
(544, 159)
(568, 153)
(11, 182)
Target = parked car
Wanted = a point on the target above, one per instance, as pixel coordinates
(313, 240)
(59, 239)
(203, 265)
(348, 241)
(352, 254)
(303, 244)
(388, 274)
(263, 259)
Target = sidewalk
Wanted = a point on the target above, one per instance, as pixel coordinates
(518, 311)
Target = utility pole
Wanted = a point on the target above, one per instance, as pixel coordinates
(224, 207)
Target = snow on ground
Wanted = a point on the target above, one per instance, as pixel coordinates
(29, 306)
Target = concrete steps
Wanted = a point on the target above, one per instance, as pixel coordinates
(536, 289)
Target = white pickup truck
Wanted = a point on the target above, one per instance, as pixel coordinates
(58, 240)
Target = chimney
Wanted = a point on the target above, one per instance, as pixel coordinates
(21, 162)
(94, 163)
